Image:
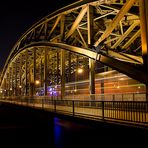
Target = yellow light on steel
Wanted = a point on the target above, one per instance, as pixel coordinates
(37, 82)
(80, 70)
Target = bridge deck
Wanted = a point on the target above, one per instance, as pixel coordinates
(126, 112)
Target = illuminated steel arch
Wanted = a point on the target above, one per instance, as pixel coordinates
(108, 31)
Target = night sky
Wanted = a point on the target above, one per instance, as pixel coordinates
(16, 17)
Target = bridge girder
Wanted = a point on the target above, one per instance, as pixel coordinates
(124, 66)
(116, 36)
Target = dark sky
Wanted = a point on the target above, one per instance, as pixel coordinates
(16, 17)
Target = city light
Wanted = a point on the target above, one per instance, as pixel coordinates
(80, 70)
(20, 86)
(37, 82)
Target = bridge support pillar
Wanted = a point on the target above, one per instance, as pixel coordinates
(62, 73)
(26, 71)
(45, 72)
(9, 83)
(144, 36)
(15, 88)
(62, 28)
(34, 73)
(92, 78)
(57, 68)
(5, 88)
(41, 75)
(69, 63)
(12, 79)
(20, 76)
(90, 27)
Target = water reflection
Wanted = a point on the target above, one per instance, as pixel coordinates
(57, 132)
(69, 134)
(27, 128)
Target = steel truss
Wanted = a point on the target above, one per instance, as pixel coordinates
(107, 31)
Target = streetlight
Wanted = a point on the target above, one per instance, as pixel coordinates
(20, 91)
(80, 70)
(37, 82)
(20, 86)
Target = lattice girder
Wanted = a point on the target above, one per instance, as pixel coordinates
(115, 35)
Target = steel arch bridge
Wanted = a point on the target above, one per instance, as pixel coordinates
(111, 32)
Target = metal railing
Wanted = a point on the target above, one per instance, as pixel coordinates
(109, 97)
(135, 112)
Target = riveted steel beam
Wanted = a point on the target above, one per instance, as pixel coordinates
(126, 34)
(77, 21)
(90, 27)
(45, 71)
(132, 39)
(144, 31)
(121, 66)
(54, 26)
(144, 35)
(115, 21)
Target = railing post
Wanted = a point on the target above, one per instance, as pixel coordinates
(27, 101)
(113, 100)
(73, 107)
(42, 103)
(133, 97)
(102, 110)
(33, 101)
(55, 105)
(113, 97)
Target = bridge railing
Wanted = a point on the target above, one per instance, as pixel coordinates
(109, 97)
(133, 112)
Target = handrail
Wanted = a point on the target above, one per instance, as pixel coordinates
(129, 96)
(133, 112)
